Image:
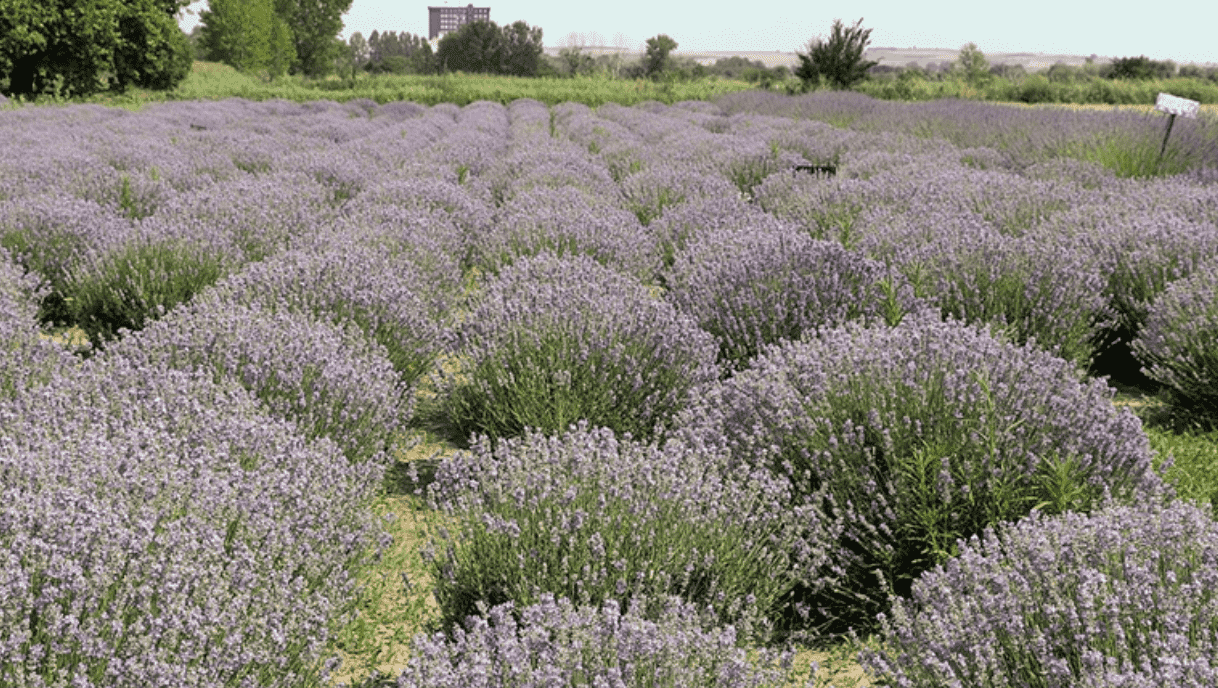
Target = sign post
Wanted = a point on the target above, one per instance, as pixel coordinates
(1174, 105)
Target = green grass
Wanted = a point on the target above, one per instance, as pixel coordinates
(215, 81)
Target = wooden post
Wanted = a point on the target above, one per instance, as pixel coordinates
(1173, 105)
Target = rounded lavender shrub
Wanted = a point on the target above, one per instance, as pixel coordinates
(555, 642)
(30, 359)
(593, 518)
(552, 341)
(568, 221)
(1179, 343)
(330, 380)
(922, 434)
(402, 306)
(754, 287)
(1029, 288)
(157, 528)
(1122, 597)
(647, 193)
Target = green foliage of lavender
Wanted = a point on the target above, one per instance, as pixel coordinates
(1121, 597)
(129, 287)
(922, 434)
(592, 518)
(1177, 343)
(552, 341)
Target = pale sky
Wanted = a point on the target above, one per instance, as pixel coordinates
(1185, 31)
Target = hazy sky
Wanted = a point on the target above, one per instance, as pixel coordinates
(1181, 30)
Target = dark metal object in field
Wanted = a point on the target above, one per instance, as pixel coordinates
(827, 170)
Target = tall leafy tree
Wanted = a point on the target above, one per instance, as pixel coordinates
(522, 49)
(247, 35)
(79, 47)
(655, 60)
(973, 65)
(475, 47)
(315, 27)
(839, 60)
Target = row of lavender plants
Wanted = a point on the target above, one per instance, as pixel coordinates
(694, 382)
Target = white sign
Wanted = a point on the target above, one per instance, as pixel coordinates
(1175, 105)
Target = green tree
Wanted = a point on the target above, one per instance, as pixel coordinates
(655, 60)
(247, 35)
(522, 49)
(315, 27)
(475, 47)
(973, 65)
(576, 61)
(79, 47)
(839, 60)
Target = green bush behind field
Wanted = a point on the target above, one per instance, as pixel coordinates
(1040, 88)
(213, 81)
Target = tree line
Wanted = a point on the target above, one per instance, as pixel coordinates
(71, 48)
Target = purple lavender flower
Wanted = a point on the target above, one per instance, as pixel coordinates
(751, 287)
(332, 381)
(1177, 343)
(158, 529)
(555, 642)
(594, 517)
(875, 416)
(1122, 597)
(567, 221)
(551, 341)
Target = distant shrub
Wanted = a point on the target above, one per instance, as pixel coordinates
(922, 434)
(551, 341)
(604, 518)
(558, 643)
(1179, 342)
(1123, 597)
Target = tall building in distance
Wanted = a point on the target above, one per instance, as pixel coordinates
(441, 20)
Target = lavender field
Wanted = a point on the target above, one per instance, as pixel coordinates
(663, 395)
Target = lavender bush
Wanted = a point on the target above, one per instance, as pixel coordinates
(158, 529)
(555, 642)
(30, 358)
(403, 306)
(682, 223)
(1121, 597)
(1037, 289)
(922, 434)
(649, 192)
(331, 381)
(753, 287)
(131, 286)
(567, 221)
(551, 341)
(1177, 344)
(593, 518)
